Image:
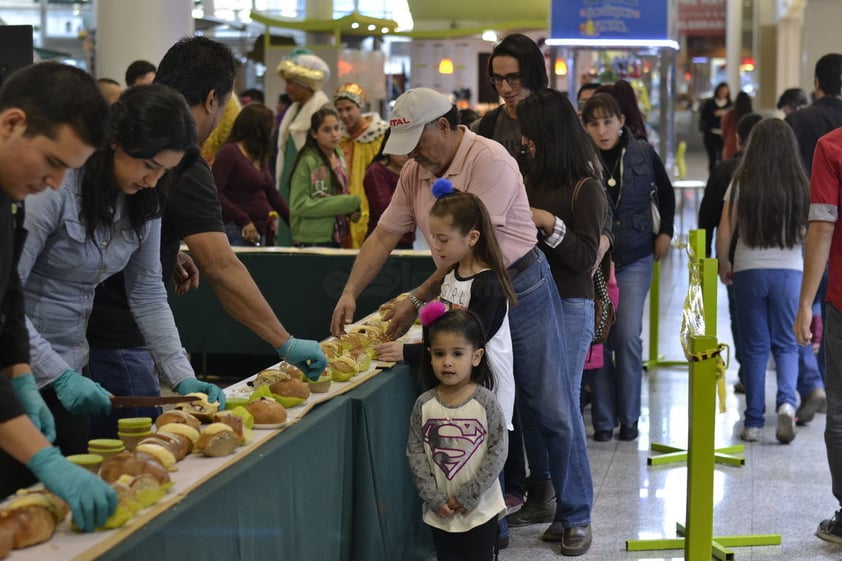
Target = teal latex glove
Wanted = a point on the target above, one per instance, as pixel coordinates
(192, 385)
(304, 354)
(27, 391)
(80, 395)
(90, 498)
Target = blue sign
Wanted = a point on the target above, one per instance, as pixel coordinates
(609, 21)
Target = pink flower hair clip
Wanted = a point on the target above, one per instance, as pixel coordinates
(431, 312)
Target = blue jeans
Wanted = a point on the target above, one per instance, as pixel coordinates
(833, 386)
(767, 301)
(543, 386)
(235, 236)
(123, 372)
(735, 332)
(617, 386)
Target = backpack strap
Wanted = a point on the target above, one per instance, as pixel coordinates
(486, 124)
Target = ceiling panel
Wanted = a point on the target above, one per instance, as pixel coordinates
(489, 12)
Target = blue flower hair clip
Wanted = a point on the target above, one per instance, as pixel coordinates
(442, 187)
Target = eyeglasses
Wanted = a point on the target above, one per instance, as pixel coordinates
(514, 80)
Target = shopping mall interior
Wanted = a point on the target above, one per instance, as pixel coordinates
(772, 498)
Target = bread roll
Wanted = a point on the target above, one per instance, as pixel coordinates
(291, 388)
(177, 444)
(201, 409)
(133, 463)
(7, 538)
(233, 421)
(31, 518)
(343, 368)
(218, 439)
(331, 348)
(186, 431)
(268, 377)
(160, 452)
(29, 525)
(177, 416)
(267, 411)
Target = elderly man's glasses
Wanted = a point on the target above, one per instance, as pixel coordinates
(514, 80)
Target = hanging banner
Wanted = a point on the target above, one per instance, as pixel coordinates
(701, 17)
(590, 22)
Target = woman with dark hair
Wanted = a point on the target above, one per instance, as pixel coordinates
(515, 69)
(320, 205)
(791, 100)
(710, 122)
(568, 207)
(635, 178)
(104, 220)
(742, 106)
(380, 182)
(245, 185)
(767, 202)
(626, 98)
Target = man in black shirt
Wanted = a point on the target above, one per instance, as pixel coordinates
(825, 114)
(810, 124)
(203, 71)
(52, 118)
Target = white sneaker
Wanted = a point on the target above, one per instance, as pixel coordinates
(786, 424)
(751, 434)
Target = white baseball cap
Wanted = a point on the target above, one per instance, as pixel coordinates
(414, 109)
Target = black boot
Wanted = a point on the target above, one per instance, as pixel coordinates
(539, 507)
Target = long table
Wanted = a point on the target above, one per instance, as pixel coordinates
(302, 286)
(333, 486)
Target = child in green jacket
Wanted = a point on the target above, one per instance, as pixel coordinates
(319, 204)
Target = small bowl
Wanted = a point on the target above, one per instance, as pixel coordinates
(90, 462)
(132, 425)
(131, 440)
(106, 447)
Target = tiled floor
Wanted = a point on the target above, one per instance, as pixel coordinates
(782, 489)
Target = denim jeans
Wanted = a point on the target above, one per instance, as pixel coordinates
(767, 301)
(809, 377)
(735, 332)
(833, 387)
(617, 387)
(123, 372)
(235, 236)
(543, 385)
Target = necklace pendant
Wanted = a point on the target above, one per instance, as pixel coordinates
(612, 182)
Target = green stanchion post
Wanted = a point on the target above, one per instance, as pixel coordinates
(654, 315)
(699, 542)
(700, 461)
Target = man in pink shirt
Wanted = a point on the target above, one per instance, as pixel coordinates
(424, 126)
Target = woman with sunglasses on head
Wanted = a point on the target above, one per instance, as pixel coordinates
(106, 219)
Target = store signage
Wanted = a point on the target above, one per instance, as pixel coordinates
(610, 22)
(701, 17)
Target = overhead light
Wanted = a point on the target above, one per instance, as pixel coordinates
(446, 66)
(489, 36)
(384, 30)
(371, 27)
(560, 67)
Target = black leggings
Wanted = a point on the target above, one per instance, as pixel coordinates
(713, 146)
(477, 544)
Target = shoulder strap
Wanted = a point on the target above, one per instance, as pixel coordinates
(486, 124)
(576, 190)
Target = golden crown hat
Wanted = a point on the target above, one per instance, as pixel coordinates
(351, 91)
